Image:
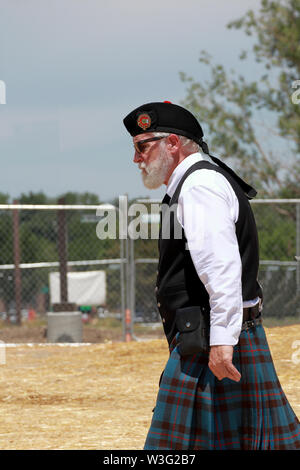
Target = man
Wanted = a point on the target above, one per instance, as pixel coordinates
(219, 389)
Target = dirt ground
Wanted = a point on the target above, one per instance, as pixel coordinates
(100, 396)
(34, 333)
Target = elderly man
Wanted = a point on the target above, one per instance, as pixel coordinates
(219, 389)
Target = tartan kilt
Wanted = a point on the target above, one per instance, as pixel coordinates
(196, 411)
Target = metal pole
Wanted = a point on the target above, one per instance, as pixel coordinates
(17, 257)
(122, 281)
(62, 253)
(132, 283)
(128, 336)
(128, 311)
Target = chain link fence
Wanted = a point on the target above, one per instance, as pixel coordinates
(278, 224)
(34, 246)
(39, 245)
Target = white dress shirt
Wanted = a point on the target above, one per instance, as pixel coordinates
(207, 210)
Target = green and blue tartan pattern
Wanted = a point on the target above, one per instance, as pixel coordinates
(196, 411)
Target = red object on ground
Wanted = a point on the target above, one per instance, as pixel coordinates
(31, 315)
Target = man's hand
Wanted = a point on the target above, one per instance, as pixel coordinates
(220, 363)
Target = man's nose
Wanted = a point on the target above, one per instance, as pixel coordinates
(137, 157)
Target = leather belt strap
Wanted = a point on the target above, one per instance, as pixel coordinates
(250, 313)
(251, 317)
(251, 323)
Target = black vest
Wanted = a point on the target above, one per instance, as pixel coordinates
(178, 284)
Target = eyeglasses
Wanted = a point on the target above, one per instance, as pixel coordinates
(139, 145)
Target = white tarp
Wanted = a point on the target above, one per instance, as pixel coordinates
(84, 288)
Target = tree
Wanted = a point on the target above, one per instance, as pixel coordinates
(229, 105)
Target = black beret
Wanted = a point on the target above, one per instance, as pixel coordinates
(168, 117)
(163, 117)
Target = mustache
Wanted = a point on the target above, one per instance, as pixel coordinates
(143, 166)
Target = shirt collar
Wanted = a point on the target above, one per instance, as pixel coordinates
(182, 168)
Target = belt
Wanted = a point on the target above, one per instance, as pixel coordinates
(249, 313)
(251, 323)
(251, 317)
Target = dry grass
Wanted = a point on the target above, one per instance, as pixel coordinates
(99, 396)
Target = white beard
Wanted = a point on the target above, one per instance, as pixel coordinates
(156, 172)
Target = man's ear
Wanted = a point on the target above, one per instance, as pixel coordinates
(173, 142)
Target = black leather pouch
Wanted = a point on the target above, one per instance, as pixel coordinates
(193, 326)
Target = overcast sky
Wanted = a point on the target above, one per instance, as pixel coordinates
(74, 68)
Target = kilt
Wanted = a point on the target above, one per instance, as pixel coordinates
(196, 411)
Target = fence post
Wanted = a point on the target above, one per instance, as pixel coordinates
(127, 319)
(62, 252)
(17, 256)
(65, 322)
(132, 283)
(123, 286)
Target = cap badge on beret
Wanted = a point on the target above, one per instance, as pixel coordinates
(144, 121)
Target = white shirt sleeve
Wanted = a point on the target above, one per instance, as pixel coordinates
(208, 212)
